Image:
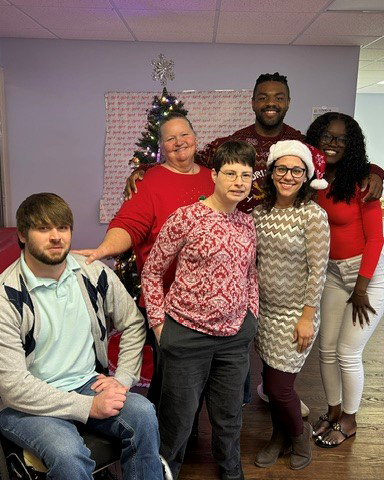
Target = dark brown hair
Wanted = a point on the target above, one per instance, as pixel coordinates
(234, 151)
(42, 209)
(304, 195)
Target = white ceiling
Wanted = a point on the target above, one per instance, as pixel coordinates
(277, 22)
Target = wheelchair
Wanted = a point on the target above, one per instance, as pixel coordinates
(16, 463)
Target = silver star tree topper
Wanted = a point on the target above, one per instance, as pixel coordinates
(163, 70)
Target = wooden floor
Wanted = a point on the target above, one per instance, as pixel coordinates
(359, 458)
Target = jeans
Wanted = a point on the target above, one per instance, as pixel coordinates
(193, 362)
(59, 445)
(342, 343)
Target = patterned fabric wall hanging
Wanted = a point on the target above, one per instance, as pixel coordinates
(213, 114)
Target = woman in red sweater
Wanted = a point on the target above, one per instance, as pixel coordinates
(353, 299)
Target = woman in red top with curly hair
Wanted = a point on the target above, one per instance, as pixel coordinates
(353, 299)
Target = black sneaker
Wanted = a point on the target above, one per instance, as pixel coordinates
(234, 474)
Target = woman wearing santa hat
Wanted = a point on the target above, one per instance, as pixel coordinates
(293, 245)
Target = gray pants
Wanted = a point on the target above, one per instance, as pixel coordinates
(191, 362)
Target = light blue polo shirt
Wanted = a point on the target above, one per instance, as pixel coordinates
(64, 353)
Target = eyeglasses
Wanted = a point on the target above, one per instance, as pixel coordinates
(340, 141)
(232, 176)
(296, 172)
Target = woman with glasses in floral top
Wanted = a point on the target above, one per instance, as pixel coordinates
(205, 324)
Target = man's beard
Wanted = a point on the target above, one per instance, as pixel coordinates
(270, 124)
(42, 257)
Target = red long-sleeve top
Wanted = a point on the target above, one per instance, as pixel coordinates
(356, 228)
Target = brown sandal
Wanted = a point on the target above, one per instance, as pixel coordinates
(322, 419)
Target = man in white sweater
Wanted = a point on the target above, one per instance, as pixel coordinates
(53, 352)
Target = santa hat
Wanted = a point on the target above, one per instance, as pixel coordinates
(314, 159)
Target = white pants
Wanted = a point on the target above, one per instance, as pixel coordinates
(342, 343)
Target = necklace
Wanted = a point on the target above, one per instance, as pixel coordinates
(192, 170)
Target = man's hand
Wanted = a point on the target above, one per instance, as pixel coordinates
(374, 184)
(157, 331)
(130, 186)
(103, 382)
(109, 402)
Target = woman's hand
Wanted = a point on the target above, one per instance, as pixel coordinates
(303, 334)
(92, 254)
(157, 331)
(116, 242)
(360, 307)
(360, 301)
(304, 331)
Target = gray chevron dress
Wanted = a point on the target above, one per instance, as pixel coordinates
(292, 257)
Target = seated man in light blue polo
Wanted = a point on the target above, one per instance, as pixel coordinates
(53, 352)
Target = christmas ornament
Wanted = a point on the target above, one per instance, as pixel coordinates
(163, 70)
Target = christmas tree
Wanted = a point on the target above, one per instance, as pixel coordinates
(149, 141)
(126, 270)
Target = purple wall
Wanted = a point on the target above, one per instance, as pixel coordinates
(55, 103)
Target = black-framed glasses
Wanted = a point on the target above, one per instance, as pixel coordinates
(340, 141)
(232, 176)
(296, 172)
